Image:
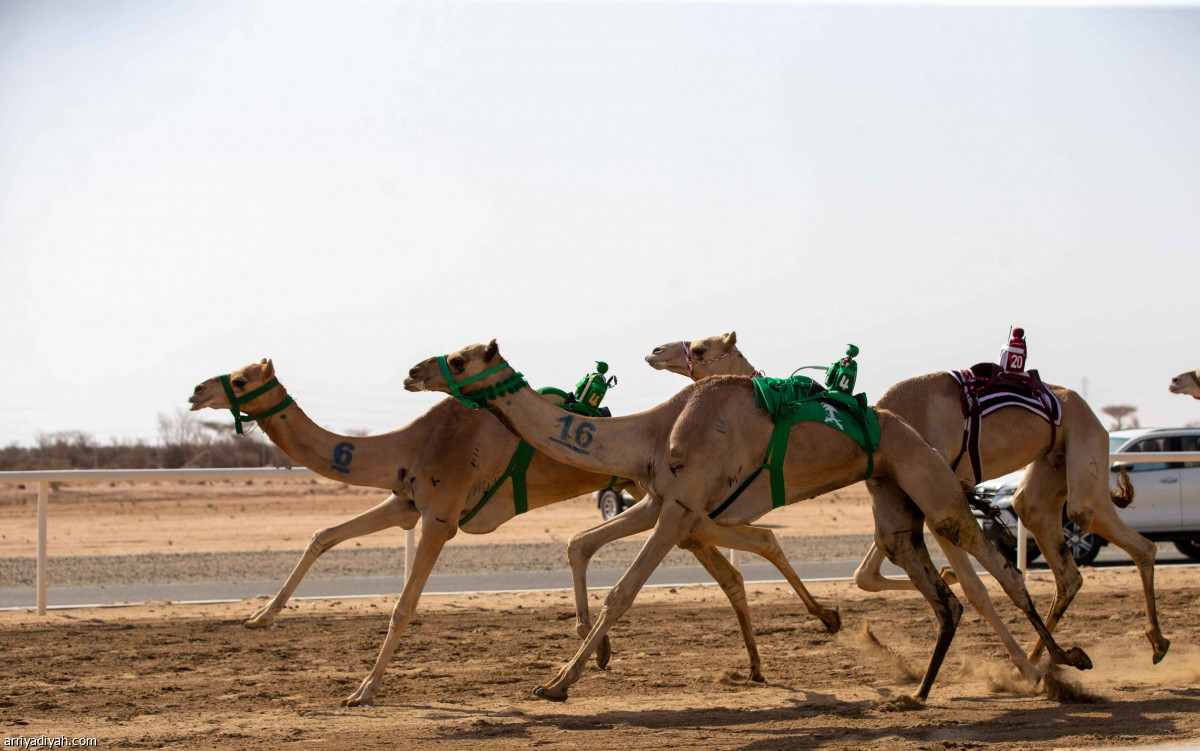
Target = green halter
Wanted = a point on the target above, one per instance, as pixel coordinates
(476, 399)
(235, 402)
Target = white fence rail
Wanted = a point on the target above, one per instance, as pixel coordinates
(43, 478)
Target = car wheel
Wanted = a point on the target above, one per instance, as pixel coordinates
(1084, 547)
(1190, 548)
(610, 503)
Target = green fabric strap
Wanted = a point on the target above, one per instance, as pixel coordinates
(776, 452)
(236, 402)
(475, 399)
(517, 466)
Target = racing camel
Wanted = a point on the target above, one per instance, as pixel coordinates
(690, 450)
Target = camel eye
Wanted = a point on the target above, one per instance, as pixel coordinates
(240, 383)
(458, 362)
(699, 352)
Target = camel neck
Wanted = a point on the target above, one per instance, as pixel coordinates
(605, 445)
(370, 461)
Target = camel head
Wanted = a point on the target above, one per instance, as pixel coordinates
(478, 367)
(246, 389)
(683, 357)
(1186, 383)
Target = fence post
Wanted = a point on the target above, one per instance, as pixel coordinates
(43, 491)
(410, 552)
(1022, 547)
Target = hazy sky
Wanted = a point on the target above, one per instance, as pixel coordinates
(188, 187)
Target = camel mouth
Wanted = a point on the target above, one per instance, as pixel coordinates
(198, 402)
(411, 384)
(657, 362)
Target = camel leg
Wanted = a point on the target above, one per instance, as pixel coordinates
(390, 513)
(674, 523)
(1039, 503)
(1091, 508)
(1106, 523)
(730, 579)
(583, 545)
(900, 534)
(977, 595)
(960, 528)
(434, 534)
(763, 542)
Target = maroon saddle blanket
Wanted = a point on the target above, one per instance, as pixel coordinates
(985, 388)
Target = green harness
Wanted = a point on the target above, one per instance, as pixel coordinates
(800, 399)
(588, 393)
(236, 402)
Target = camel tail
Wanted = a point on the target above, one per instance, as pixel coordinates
(1123, 495)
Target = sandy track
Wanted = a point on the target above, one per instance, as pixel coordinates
(188, 677)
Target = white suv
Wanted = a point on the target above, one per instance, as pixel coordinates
(1166, 496)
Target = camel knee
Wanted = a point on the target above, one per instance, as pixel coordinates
(1080, 516)
(579, 552)
(321, 541)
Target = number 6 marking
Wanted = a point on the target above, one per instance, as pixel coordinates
(343, 454)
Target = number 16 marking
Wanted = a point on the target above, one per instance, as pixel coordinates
(582, 438)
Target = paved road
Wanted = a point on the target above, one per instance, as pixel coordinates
(64, 597)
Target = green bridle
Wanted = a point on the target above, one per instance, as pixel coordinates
(477, 399)
(235, 402)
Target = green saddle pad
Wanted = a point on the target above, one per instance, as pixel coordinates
(800, 398)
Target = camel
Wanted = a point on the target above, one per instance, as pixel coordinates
(1011, 439)
(438, 468)
(1187, 383)
(690, 450)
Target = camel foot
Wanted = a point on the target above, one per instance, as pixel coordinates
(832, 620)
(603, 652)
(1161, 645)
(902, 703)
(262, 618)
(363, 697)
(542, 692)
(757, 676)
(1077, 658)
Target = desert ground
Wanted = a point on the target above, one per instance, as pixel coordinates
(161, 675)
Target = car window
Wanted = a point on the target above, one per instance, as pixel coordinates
(1184, 443)
(1115, 444)
(1143, 446)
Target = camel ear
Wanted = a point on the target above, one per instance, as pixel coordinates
(492, 350)
(731, 338)
(268, 367)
